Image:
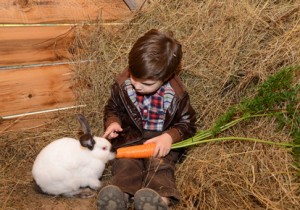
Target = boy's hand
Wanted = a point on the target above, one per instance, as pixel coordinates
(163, 145)
(112, 131)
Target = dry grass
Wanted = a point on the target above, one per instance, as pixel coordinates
(229, 47)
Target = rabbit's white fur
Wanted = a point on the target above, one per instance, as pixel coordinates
(64, 166)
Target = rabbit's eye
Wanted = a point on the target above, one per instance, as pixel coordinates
(104, 148)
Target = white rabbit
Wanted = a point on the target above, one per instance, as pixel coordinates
(65, 166)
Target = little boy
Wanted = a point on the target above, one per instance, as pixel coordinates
(148, 103)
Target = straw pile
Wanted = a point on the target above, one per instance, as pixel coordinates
(229, 48)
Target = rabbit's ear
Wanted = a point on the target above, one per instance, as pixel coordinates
(86, 140)
(84, 124)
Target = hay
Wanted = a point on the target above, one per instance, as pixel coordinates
(229, 47)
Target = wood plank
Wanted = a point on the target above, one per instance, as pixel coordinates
(33, 89)
(24, 45)
(50, 11)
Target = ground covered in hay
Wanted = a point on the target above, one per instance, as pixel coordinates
(230, 47)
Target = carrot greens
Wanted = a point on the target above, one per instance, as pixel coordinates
(277, 97)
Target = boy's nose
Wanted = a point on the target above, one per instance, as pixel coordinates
(137, 86)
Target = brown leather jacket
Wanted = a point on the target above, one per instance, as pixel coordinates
(179, 121)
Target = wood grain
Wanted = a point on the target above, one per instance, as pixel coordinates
(35, 89)
(38, 32)
(25, 45)
(50, 11)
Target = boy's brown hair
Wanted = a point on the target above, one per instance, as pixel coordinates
(156, 56)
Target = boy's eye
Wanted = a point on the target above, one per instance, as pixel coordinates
(147, 84)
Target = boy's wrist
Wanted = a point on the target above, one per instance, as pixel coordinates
(174, 135)
(167, 137)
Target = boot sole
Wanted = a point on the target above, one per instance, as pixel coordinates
(148, 199)
(111, 198)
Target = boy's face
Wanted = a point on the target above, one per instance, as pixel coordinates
(145, 87)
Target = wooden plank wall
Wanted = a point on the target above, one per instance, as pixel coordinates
(35, 40)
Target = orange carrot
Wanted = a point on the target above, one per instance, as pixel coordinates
(137, 151)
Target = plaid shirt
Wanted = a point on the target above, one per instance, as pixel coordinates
(152, 107)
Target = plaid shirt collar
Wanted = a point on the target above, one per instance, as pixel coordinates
(152, 107)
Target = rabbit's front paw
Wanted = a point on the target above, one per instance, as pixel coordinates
(86, 193)
(95, 184)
